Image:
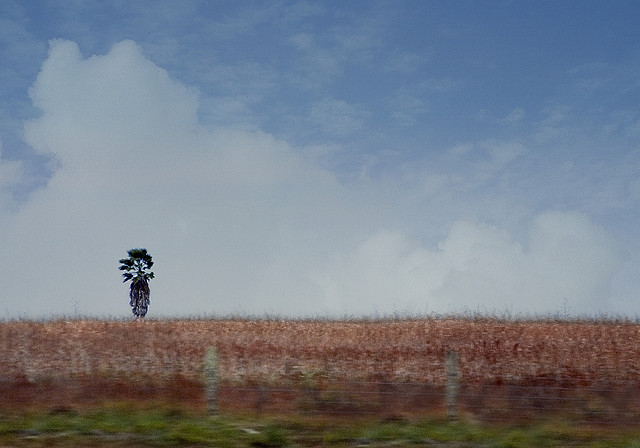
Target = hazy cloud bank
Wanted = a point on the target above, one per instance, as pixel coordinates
(243, 222)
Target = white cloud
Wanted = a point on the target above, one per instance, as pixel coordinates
(483, 162)
(242, 221)
(124, 97)
(513, 117)
(406, 107)
(225, 207)
(408, 62)
(249, 17)
(567, 257)
(11, 175)
(337, 118)
(503, 153)
(477, 266)
(319, 65)
(326, 51)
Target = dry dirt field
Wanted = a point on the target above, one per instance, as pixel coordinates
(84, 360)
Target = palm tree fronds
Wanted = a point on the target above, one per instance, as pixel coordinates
(137, 266)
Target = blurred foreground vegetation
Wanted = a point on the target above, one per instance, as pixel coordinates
(128, 425)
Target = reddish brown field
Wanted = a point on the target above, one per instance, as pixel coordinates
(166, 357)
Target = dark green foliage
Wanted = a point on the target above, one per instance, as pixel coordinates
(137, 271)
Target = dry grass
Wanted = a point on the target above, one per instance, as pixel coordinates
(272, 352)
(404, 350)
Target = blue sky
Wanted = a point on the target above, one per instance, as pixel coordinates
(321, 158)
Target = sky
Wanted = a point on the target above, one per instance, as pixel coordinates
(321, 158)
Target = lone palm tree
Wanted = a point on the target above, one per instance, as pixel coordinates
(137, 267)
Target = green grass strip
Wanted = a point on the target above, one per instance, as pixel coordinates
(123, 425)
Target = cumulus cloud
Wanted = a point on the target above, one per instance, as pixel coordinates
(243, 222)
(10, 175)
(478, 266)
(230, 215)
(566, 256)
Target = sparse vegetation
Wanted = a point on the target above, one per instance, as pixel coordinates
(69, 371)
